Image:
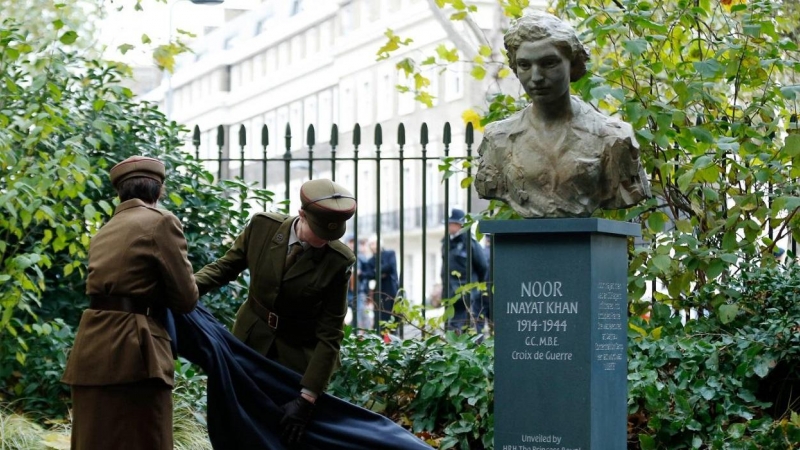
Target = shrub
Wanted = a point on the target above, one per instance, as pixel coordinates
(441, 387)
(715, 382)
(65, 121)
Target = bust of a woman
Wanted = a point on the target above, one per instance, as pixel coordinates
(559, 156)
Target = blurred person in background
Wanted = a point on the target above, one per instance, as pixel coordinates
(463, 252)
(389, 285)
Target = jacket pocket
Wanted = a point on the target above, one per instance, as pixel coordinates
(154, 343)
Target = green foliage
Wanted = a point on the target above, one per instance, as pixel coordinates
(441, 386)
(189, 393)
(70, 22)
(64, 122)
(35, 383)
(701, 83)
(709, 384)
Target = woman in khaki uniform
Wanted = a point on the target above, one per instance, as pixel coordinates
(121, 365)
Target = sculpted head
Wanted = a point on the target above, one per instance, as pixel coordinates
(539, 26)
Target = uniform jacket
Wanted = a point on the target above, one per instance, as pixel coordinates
(459, 247)
(309, 299)
(140, 252)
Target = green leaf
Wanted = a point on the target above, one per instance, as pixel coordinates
(656, 221)
(737, 430)
(727, 313)
(715, 268)
(478, 72)
(790, 92)
(763, 366)
(662, 262)
(635, 47)
(708, 69)
(685, 179)
(68, 38)
(125, 48)
(646, 442)
(792, 145)
(701, 134)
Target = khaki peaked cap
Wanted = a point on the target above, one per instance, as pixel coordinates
(137, 166)
(328, 206)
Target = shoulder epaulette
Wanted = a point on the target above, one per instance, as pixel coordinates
(342, 249)
(277, 217)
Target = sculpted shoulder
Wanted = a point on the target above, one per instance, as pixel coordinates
(505, 127)
(588, 119)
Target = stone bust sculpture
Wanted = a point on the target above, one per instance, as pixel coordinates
(559, 156)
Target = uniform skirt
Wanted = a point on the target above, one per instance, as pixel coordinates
(135, 416)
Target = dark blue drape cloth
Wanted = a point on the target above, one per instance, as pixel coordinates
(245, 391)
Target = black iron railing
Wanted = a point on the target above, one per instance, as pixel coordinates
(424, 216)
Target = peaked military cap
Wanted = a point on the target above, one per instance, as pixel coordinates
(328, 206)
(137, 166)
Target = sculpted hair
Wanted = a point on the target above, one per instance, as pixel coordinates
(145, 189)
(540, 25)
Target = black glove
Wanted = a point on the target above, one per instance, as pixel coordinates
(296, 415)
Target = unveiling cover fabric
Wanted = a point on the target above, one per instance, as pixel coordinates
(245, 391)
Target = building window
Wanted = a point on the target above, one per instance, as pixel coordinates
(405, 100)
(346, 19)
(298, 48)
(370, 11)
(326, 35)
(365, 101)
(432, 74)
(236, 76)
(385, 95)
(230, 42)
(247, 71)
(346, 106)
(272, 60)
(454, 82)
(297, 7)
(312, 41)
(258, 66)
(283, 54)
(325, 115)
(196, 90)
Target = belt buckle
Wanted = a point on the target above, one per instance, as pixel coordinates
(272, 320)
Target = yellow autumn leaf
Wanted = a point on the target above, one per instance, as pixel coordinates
(472, 116)
(728, 4)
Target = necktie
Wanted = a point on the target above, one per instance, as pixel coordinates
(294, 251)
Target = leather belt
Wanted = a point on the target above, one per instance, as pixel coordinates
(135, 305)
(274, 321)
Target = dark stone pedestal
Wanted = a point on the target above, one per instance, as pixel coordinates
(560, 311)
